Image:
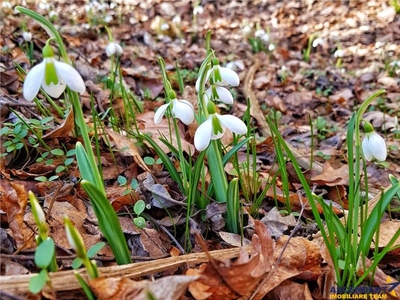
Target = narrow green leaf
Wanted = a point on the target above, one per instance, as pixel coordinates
(88, 292)
(108, 222)
(232, 206)
(84, 165)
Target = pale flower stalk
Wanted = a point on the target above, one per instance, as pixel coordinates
(53, 76)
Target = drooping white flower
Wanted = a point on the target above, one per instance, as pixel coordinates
(215, 127)
(27, 36)
(113, 48)
(53, 76)
(181, 109)
(395, 63)
(374, 146)
(220, 76)
(338, 53)
(198, 10)
(219, 93)
(318, 42)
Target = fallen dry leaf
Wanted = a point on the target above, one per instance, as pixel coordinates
(166, 288)
(331, 176)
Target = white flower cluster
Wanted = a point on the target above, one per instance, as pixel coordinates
(215, 126)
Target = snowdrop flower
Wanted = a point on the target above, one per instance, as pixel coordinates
(338, 53)
(74, 238)
(259, 33)
(27, 36)
(246, 30)
(198, 10)
(215, 127)
(112, 48)
(220, 76)
(219, 93)
(176, 19)
(318, 42)
(53, 76)
(395, 63)
(373, 145)
(271, 47)
(53, 14)
(181, 109)
(164, 26)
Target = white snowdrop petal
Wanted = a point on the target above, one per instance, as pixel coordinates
(230, 76)
(202, 136)
(377, 146)
(160, 113)
(68, 75)
(110, 49)
(233, 123)
(118, 48)
(365, 148)
(224, 95)
(53, 90)
(183, 110)
(33, 81)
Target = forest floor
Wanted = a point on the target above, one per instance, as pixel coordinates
(311, 100)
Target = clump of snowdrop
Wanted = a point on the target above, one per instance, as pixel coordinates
(53, 76)
(181, 109)
(215, 126)
(373, 145)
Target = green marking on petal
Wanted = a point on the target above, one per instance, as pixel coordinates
(50, 74)
(217, 75)
(217, 128)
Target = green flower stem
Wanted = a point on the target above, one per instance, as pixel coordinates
(357, 172)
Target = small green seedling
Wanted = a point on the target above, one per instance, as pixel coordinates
(138, 208)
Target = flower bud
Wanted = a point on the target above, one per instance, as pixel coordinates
(75, 239)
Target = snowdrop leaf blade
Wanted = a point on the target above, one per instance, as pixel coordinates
(230, 76)
(33, 81)
(70, 77)
(233, 123)
(202, 136)
(160, 113)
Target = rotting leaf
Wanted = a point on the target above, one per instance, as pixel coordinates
(14, 200)
(64, 130)
(229, 281)
(127, 148)
(331, 176)
(276, 223)
(166, 288)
